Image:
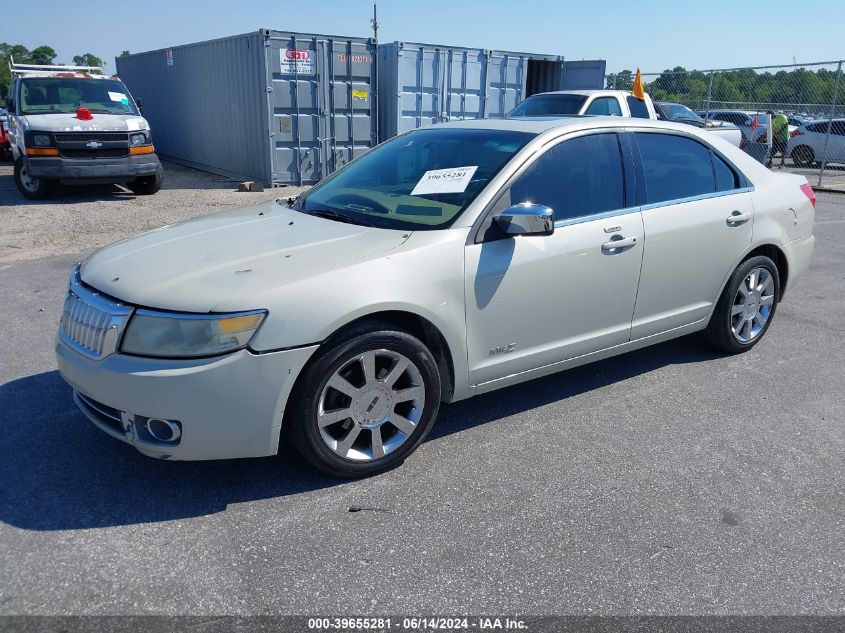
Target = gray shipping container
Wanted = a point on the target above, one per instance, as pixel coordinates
(276, 107)
(421, 84)
(586, 74)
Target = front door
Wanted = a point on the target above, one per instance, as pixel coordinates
(536, 300)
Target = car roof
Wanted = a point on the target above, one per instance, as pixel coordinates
(538, 125)
(585, 93)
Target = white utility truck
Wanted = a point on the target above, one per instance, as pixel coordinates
(605, 103)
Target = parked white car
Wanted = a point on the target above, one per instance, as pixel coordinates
(447, 262)
(806, 145)
(607, 103)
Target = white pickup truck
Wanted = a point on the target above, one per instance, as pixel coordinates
(603, 103)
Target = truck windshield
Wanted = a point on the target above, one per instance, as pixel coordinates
(548, 105)
(680, 111)
(48, 95)
(418, 181)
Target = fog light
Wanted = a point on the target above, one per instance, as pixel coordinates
(158, 430)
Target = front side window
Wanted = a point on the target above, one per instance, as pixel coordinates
(420, 180)
(675, 167)
(575, 178)
(639, 110)
(549, 105)
(604, 106)
(63, 95)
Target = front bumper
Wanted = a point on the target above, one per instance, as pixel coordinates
(94, 170)
(228, 406)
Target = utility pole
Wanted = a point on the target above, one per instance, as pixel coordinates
(374, 22)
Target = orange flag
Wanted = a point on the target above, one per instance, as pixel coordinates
(637, 89)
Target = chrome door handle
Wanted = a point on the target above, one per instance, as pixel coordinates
(737, 217)
(615, 245)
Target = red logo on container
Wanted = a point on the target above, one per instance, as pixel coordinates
(297, 55)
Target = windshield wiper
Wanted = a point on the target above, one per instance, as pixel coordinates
(338, 217)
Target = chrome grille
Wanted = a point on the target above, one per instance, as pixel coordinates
(91, 323)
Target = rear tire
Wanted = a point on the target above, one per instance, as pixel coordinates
(803, 156)
(30, 187)
(147, 185)
(746, 307)
(365, 402)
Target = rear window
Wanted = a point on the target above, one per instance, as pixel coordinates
(549, 105)
(675, 167)
(638, 108)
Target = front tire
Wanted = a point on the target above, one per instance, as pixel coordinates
(147, 185)
(746, 307)
(30, 187)
(365, 402)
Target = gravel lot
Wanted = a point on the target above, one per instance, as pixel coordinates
(669, 480)
(78, 218)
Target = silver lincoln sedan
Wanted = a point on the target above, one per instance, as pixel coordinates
(449, 261)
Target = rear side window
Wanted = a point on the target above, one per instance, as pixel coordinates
(638, 108)
(818, 127)
(675, 167)
(607, 106)
(577, 177)
(726, 178)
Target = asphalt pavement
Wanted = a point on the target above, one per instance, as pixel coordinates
(671, 480)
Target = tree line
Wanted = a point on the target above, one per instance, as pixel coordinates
(39, 55)
(798, 89)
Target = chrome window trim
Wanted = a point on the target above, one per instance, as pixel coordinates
(118, 316)
(595, 216)
(703, 196)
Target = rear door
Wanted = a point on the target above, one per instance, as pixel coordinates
(697, 219)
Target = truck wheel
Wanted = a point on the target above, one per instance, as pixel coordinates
(147, 185)
(31, 188)
(365, 402)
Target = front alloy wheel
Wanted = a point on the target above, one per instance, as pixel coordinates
(31, 187)
(365, 402)
(371, 405)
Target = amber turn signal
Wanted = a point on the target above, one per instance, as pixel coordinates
(144, 149)
(42, 151)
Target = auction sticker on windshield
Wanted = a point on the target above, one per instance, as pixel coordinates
(452, 180)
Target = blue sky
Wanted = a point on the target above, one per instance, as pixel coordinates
(651, 35)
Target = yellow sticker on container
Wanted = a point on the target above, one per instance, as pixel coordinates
(361, 95)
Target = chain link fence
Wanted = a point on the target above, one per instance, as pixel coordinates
(811, 96)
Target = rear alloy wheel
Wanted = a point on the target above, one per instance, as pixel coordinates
(31, 187)
(746, 307)
(366, 402)
(803, 156)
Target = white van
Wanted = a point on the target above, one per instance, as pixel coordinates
(75, 125)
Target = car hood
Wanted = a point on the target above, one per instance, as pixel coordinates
(228, 261)
(100, 123)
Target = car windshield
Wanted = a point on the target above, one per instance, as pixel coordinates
(549, 105)
(49, 95)
(417, 181)
(680, 111)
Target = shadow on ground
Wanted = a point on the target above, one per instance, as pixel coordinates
(59, 472)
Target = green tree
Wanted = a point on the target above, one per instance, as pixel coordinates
(124, 54)
(20, 54)
(42, 55)
(88, 60)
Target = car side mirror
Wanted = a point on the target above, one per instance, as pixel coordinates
(526, 219)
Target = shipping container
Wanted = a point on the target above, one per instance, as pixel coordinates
(586, 74)
(421, 84)
(275, 107)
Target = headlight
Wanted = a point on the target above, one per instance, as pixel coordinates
(138, 139)
(41, 140)
(183, 336)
